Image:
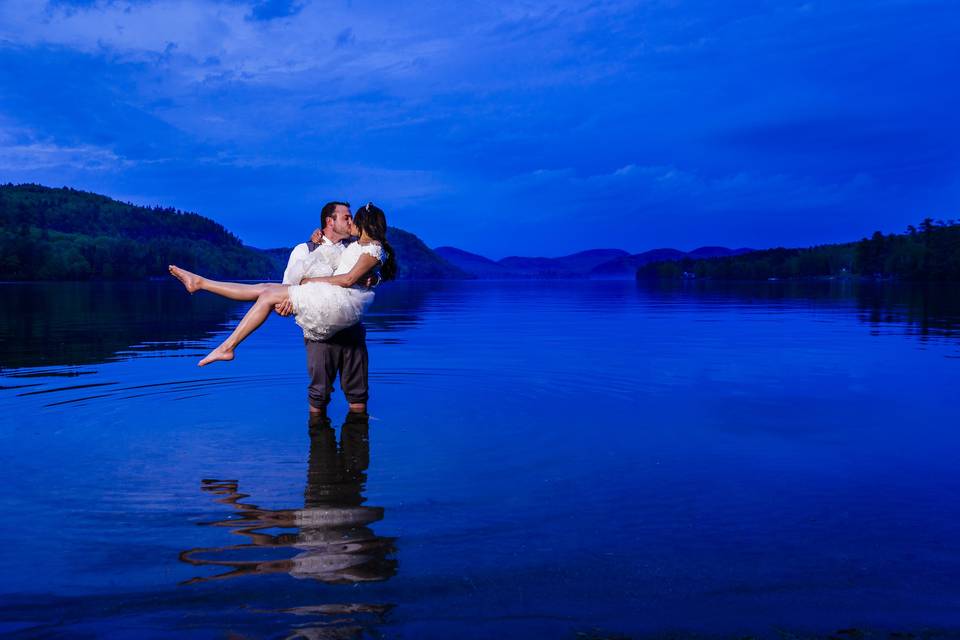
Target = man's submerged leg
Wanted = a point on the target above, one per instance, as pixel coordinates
(322, 367)
(354, 368)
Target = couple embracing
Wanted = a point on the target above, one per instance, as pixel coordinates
(326, 287)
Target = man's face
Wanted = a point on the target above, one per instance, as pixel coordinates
(342, 220)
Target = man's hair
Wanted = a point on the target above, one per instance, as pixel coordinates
(329, 210)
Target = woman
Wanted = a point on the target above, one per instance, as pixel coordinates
(322, 305)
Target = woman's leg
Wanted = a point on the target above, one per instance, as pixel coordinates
(232, 290)
(272, 294)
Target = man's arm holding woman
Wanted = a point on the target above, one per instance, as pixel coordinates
(363, 271)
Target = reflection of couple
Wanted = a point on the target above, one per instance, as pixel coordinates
(326, 284)
(333, 538)
(325, 293)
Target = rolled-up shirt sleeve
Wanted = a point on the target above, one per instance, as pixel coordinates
(294, 270)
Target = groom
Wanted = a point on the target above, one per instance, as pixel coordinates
(344, 352)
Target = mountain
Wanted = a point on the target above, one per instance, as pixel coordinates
(574, 265)
(587, 260)
(473, 263)
(65, 234)
(704, 253)
(626, 267)
(416, 261)
(279, 258)
(593, 263)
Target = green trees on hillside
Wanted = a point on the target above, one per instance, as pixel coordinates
(71, 211)
(928, 253)
(64, 234)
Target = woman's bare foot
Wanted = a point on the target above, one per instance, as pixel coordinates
(190, 280)
(220, 353)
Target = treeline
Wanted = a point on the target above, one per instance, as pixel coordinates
(930, 252)
(65, 234)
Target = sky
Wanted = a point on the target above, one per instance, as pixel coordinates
(502, 128)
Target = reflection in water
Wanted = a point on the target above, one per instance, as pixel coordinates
(56, 324)
(924, 310)
(736, 481)
(48, 324)
(334, 541)
(340, 622)
(63, 323)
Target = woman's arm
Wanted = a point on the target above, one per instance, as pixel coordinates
(365, 264)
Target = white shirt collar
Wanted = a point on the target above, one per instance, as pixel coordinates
(341, 243)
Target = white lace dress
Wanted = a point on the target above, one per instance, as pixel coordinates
(319, 263)
(322, 309)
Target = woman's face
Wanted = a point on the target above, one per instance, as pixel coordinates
(354, 229)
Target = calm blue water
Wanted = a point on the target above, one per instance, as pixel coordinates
(542, 459)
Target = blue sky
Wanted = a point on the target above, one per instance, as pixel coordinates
(502, 128)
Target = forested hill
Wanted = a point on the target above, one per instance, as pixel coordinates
(65, 234)
(930, 252)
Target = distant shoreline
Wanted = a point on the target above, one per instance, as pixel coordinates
(66, 235)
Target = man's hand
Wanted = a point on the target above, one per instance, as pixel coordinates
(317, 236)
(372, 280)
(284, 308)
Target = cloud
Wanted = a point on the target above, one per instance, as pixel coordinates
(272, 9)
(345, 38)
(23, 151)
(666, 187)
(691, 118)
(205, 41)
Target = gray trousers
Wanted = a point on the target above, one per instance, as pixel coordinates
(345, 353)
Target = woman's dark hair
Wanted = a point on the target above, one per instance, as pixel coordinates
(370, 219)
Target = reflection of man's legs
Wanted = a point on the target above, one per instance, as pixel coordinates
(353, 367)
(323, 468)
(322, 361)
(355, 445)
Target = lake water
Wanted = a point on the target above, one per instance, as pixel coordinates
(541, 459)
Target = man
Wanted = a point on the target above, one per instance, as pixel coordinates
(345, 352)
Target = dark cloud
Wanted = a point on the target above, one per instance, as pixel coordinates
(272, 9)
(345, 38)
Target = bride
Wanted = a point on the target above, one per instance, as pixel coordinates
(322, 304)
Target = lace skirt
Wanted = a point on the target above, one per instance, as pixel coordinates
(323, 309)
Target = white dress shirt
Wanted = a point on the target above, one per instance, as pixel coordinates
(301, 254)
